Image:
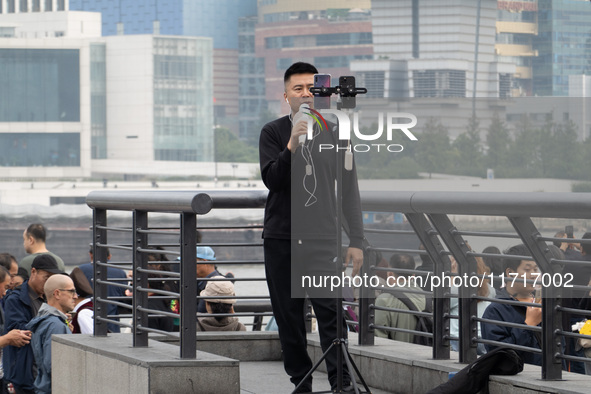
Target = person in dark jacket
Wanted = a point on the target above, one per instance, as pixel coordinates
(300, 233)
(515, 290)
(20, 306)
(15, 337)
(61, 298)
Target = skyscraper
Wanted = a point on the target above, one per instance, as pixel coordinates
(217, 19)
(563, 45)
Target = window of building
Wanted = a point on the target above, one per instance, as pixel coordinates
(279, 42)
(284, 63)
(439, 83)
(175, 154)
(504, 86)
(337, 61)
(40, 149)
(373, 81)
(39, 85)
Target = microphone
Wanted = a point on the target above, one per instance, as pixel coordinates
(300, 115)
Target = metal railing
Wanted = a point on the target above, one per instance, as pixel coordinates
(434, 218)
(187, 205)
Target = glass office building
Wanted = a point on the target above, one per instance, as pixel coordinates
(183, 130)
(39, 86)
(217, 19)
(563, 45)
(98, 100)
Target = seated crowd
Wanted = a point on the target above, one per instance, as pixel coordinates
(39, 299)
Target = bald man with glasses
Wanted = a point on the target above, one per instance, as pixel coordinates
(52, 319)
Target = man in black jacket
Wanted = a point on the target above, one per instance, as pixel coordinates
(516, 289)
(300, 228)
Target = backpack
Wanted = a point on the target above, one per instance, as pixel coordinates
(424, 323)
(474, 377)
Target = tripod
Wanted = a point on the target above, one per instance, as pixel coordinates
(339, 343)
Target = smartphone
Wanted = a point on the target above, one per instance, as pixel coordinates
(347, 85)
(321, 81)
(569, 231)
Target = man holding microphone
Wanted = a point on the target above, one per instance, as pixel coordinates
(300, 226)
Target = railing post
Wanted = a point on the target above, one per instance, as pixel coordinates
(140, 279)
(466, 265)
(99, 254)
(188, 286)
(441, 264)
(366, 302)
(551, 317)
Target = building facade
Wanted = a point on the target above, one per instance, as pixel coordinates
(75, 104)
(563, 45)
(217, 19)
(328, 34)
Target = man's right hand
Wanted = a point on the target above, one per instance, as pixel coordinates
(297, 130)
(18, 338)
(533, 315)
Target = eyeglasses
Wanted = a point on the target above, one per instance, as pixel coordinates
(71, 291)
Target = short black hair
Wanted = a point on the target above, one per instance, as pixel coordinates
(22, 272)
(516, 250)
(560, 234)
(586, 247)
(37, 231)
(6, 260)
(402, 261)
(220, 308)
(494, 263)
(299, 68)
(3, 273)
(425, 258)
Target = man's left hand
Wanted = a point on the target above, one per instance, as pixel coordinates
(355, 255)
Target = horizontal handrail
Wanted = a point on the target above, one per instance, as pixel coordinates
(201, 202)
(512, 204)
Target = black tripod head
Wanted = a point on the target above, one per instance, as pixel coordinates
(346, 89)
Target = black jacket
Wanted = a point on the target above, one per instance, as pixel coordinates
(517, 336)
(309, 198)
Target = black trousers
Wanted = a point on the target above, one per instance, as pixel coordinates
(287, 299)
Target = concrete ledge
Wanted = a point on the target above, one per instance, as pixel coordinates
(87, 364)
(240, 345)
(400, 367)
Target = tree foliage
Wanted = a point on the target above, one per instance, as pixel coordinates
(528, 151)
(228, 148)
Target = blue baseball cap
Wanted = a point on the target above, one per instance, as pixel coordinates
(205, 253)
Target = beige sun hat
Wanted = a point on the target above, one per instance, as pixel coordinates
(219, 288)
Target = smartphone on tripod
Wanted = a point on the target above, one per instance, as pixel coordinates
(322, 101)
(348, 88)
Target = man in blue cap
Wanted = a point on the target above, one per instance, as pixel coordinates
(206, 269)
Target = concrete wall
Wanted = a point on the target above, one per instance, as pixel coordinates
(83, 364)
(244, 346)
(405, 368)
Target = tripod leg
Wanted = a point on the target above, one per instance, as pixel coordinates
(311, 371)
(351, 366)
